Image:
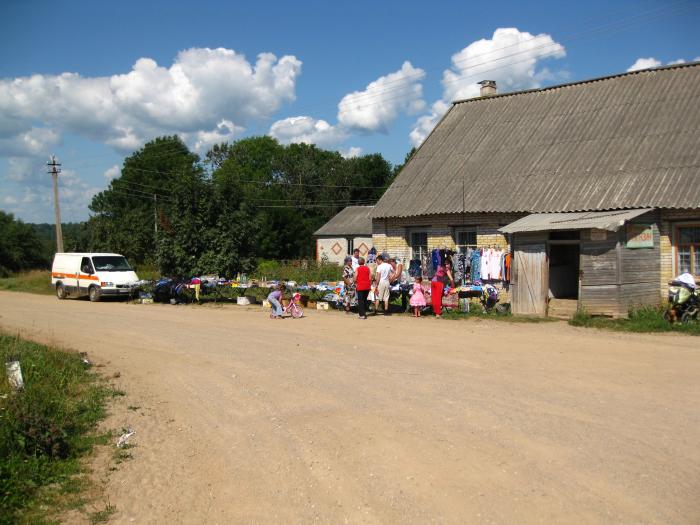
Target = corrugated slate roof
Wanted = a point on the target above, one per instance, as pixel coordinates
(627, 141)
(353, 220)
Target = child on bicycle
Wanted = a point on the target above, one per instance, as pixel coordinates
(275, 299)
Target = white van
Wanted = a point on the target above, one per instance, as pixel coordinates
(92, 274)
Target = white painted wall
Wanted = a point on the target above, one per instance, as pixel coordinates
(335, 249)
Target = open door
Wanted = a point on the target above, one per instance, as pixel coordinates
(530, 280)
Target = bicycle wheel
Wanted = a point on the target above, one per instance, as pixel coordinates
(297, 312)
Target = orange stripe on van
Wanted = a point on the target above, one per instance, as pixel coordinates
(82, 277)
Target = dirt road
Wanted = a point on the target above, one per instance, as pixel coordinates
(331, 419)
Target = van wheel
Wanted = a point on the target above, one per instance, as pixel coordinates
(94, 294)
(60, 291)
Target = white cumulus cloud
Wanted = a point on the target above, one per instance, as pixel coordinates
(380, 103)
(113, 172)
(510, 57)
(369, 111)
(352, 152)
(644, 63)
(199, 91)
(649, 62)
(225, 131)
(307, 130)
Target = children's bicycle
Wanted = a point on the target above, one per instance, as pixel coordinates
(293, 307)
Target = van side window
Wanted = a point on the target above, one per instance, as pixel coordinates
(86, 266)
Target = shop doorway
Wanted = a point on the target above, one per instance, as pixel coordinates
(564, 264)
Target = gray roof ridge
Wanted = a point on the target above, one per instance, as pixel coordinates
(577, 82)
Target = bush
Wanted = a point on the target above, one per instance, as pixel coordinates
(300, 271)
(46, 427)
(643, 319)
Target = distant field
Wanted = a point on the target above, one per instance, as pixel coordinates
(34, 281)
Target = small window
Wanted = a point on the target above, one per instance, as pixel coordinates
(465, 239)
(688, 249)
(419, 244)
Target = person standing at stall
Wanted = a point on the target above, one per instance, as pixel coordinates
(383, 284)
(349, 282)
(437, 285)
(363, 283)
(355, 258)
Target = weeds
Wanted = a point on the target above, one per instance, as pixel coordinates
(46, 428)
(33, 281)
(102, 516)
(642, 320)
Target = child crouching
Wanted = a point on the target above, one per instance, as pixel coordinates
(275, 298)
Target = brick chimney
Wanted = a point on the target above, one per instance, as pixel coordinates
(488, 88)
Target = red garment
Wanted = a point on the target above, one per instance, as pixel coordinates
(362, 281)
(436, 289)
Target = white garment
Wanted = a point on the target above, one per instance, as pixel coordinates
(384, 270)
(495, 264)
(485, 264)
(355, 263)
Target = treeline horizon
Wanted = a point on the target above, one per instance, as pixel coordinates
(251, 199)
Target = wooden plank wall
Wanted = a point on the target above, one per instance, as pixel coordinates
(641, 268)
(599, 293)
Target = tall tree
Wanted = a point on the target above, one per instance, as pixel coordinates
(20, 246)
(127, 212)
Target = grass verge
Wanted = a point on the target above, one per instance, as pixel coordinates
(45, 430)
(641, 320)
(33, 281)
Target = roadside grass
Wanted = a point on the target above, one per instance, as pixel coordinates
(45, 431)
(33, 281)
(641, 320)
(507, 317)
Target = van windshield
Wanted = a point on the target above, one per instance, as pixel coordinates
(111, 264)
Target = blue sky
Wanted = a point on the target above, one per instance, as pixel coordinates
(91, 81)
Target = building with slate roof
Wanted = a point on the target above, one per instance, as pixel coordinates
(349, 229)
(593, 187)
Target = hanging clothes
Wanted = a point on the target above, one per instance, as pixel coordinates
(506, 266)
(475, 265)
(485, 263)
(495, 264)
(414, 268)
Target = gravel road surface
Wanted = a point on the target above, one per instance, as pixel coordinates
(331, 419)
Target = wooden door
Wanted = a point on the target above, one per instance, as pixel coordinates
(530, 280)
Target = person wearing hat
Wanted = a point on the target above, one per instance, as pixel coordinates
(349, 280)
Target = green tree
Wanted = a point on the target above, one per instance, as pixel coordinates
(151, 179)
(20, 246)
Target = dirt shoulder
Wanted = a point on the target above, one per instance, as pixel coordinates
(333, 419)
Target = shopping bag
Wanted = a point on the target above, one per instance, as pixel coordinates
(370, 295)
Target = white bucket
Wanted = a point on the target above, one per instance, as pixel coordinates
(14, 375)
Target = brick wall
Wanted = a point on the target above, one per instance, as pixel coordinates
(392, 235)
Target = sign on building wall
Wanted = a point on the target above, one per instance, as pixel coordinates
(640, 236)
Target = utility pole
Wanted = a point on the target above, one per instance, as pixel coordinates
(54, 170)
(155, 212)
